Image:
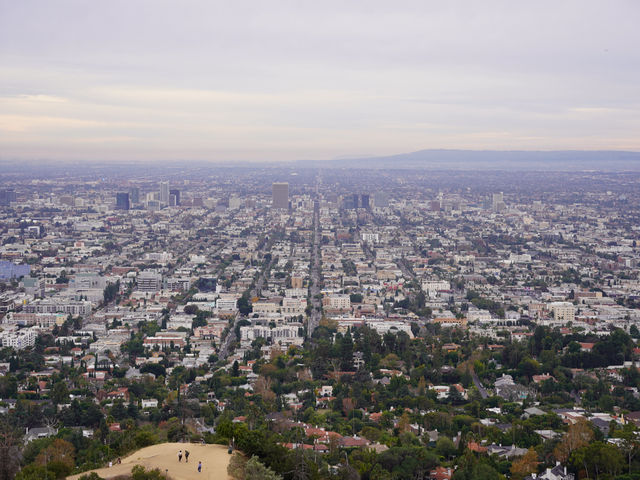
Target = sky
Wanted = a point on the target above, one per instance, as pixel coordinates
(226, 81)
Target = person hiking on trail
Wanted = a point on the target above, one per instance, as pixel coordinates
(186, 456)
(180, 456)
(199, 467)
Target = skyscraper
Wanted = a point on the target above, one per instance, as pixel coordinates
(176, 192)
(497, 202)
(6, 197)
(354, 201)
(280, 195)
(381, 199)
(164, 193)
(134, 195)
(122, 201)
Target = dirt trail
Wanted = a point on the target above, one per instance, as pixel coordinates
(164, 456)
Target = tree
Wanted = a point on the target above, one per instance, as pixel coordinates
(254, 470)
(355, 298)
(262, 387)
(59, 457)
(60, 392)
(472, 468)
(91, 476)
(8, 386)
(597, 459)
(10, 449)
(346, 353)
(111, 292)
(408, 461)
(347, 472)
(629, 445)
(578, 435)
(528, 367)
(525, 465)
(153, 368)
(445, 447)
(348, 404)
(404, 424)
(35, 472)
(244, 306)
(191, 309)
(236, 467)
(139, 473)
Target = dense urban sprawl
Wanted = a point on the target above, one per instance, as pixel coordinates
(330, 323)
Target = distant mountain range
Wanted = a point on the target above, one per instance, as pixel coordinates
(561, 160)
(497, 160)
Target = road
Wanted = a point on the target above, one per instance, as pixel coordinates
(262, 278)
(225, 350)
(228, 341)
(478, 384)
(316, 274)
(406, 271)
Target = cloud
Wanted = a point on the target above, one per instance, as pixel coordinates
(282, 80)
(24, 123)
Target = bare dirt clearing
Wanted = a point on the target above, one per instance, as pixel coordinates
(164, 456)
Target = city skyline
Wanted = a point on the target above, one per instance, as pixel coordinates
(213, 82)
(363, 313)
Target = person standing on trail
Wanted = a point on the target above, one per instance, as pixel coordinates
(199, 467)
(186, 456)
(180, 456)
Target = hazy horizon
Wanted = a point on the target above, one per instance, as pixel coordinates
(280, 82)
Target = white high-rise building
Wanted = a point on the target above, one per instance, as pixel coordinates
(497, 202)
(164, 193)
(280, 195)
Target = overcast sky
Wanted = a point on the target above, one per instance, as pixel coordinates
(272, 80)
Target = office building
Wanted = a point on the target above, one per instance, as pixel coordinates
(69, 307)
(9, 270)
(355, 201)
(563, 311)
(381, 199)
(164, 193)
(176, 193)
(6, 197)
(122, 201)
(235, 202)
(350, 202)
(281, 195)
(134, 195)
(149, 282)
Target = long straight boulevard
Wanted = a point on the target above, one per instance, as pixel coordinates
(316, 274)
